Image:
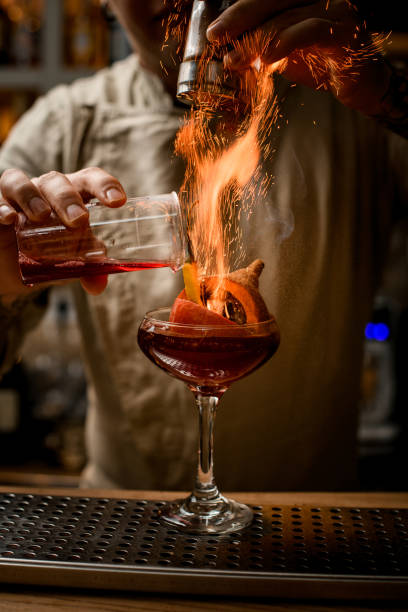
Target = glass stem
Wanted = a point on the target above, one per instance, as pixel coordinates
(205, 488)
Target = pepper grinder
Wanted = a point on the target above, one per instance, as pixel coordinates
(202, 74)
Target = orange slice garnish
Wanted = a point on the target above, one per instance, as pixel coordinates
(235, 297)
(191, 282)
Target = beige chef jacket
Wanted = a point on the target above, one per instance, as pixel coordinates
(338, 179)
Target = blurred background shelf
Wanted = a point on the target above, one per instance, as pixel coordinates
(40, 79)
(47, 42)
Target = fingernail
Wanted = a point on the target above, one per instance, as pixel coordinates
(115, 195)
(75, 212)
(215, 30)
(39, 208)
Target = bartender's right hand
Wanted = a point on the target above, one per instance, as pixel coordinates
(63, 194)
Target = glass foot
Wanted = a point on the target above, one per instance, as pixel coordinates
(221, 515)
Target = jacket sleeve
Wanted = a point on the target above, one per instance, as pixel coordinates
(34, 146)
(15, 321)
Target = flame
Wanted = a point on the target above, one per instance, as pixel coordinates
(215, 184)
(224, 150)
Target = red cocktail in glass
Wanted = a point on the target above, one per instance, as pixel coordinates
(36, 271)
(208, 358)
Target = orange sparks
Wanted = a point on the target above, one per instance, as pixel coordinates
(224, 149)
(223, 154)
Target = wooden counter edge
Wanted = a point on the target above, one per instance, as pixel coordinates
(363, 499)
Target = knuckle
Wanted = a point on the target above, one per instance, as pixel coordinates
(53, 175)
(66, 195)
(25, 191)
(15, 184)
(315, 23)
(8, 178)
(92, 170)
(83, 174)
(8, 172)
(58, 189)
(98, 176)
(88, 173)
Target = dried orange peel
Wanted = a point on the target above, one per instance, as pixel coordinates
(235, 297)
(240, 299)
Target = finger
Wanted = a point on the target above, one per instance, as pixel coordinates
(63, 198)
(95, 182)
(263, 41)
(314, 32)
(245, 15)
(21, 193)
(94, 284)
(8, 214)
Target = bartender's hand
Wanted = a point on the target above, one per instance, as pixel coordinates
(63, 194)
(295, 29)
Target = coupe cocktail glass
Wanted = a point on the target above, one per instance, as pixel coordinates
(208, 358)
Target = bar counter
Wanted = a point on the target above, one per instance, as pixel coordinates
(35, 599)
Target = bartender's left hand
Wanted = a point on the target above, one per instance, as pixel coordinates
(294, 28)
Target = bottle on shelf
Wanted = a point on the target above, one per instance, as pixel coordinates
(20, 32)
(85, 34)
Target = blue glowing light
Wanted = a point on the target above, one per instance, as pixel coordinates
(377, 331)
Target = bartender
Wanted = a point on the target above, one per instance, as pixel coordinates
(341, 175)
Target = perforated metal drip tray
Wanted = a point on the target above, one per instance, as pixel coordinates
(122, 544)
